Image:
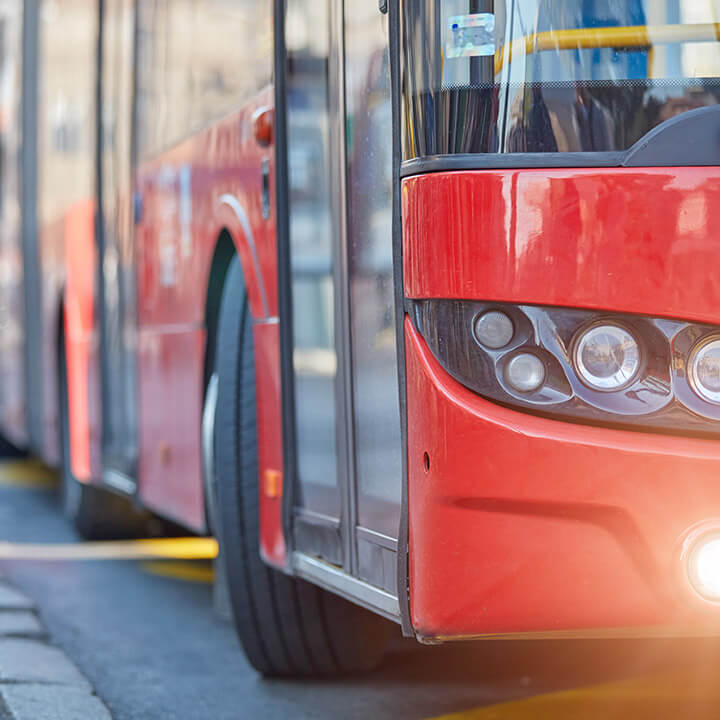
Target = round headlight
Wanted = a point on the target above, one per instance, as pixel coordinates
(525, 372)
(704, 370)
(494, 329)
(607, 357)
(704, 567)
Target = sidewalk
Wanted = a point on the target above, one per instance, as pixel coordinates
(37, 680)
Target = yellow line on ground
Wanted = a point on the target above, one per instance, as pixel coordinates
(191, 572)
(688, 694)
(187, 548)
(26, 474)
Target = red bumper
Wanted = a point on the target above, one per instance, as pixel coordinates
(525, 524)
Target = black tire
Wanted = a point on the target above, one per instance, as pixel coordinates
(8, 451)
(286, 626)
(97, 514)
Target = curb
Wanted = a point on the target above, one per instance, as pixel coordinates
(37, 680)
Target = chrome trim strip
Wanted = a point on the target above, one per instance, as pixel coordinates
(208, 450)
(376, 538)
(266, 321)
(234, 204)
(344, 411)
(119, 481)
(316, 518)
(615, 633)
(335, 580)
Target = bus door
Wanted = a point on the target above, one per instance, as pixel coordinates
(117, 281)
(313, 239)
(347, 421)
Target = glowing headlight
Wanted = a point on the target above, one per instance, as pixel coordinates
(704, 370)
(606, 357)
(704, 567)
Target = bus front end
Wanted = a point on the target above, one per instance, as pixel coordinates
(560, 226)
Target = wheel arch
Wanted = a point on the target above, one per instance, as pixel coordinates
(223, 255)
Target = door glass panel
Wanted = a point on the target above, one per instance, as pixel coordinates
(12, 337)
(67, 54)
(314, 358)
(369, 172)
(119, 311)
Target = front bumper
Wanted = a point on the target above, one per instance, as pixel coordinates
(520, 524)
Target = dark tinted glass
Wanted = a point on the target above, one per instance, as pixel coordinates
(507, 76)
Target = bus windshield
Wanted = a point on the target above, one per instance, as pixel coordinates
(547, 76)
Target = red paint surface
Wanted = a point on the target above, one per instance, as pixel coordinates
(631, 240)
(175, 252)
(528, 524)
(80, 259)
(270, 452)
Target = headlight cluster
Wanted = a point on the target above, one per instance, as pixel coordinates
(579, 364)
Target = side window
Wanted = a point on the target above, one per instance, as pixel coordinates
(234, 59)
(66, 135)
(10, 132)
(198, 60)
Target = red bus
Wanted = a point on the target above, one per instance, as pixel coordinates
(411, 305)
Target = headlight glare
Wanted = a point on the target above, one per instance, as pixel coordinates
(704, 568)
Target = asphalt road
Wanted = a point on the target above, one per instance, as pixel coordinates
(145, 635)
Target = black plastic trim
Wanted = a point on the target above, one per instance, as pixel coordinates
(691, 139)
(403, 588)
(100, 298)
(282, 207)
(658, 399)
(32, 285)
(499, 161)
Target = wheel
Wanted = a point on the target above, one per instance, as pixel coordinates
(287, 627)
(96, 513)
(8, 451)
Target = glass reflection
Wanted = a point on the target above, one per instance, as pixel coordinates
(315, 363)
(118, 262)
(552, 76)
(12, 335)
(192, 55)
(369, 158)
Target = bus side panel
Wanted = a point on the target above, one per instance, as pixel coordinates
(270, 451)
(189, 196)
(630, 240)
(170, 407)
(524, 524)
(80, 257)
(171, 340)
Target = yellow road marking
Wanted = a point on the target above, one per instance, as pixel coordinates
(686, 694)
(187, 548)
(192, 572)
(27, 474)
